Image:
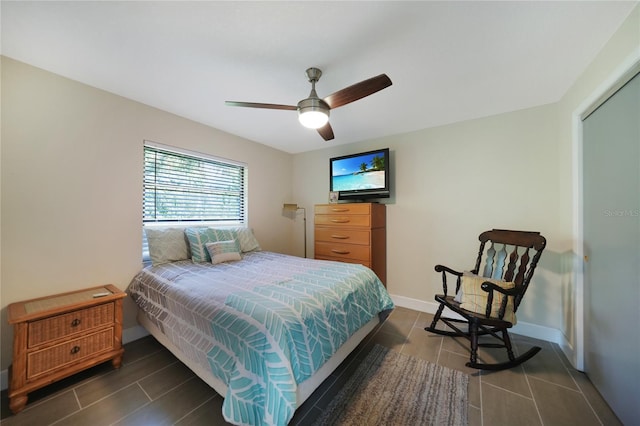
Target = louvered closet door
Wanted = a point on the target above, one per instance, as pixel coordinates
(611, 178)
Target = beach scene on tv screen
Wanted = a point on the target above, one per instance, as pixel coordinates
(357, 173)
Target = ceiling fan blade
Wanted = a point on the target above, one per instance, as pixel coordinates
(358, 91)
(326, 132)
(260, 105)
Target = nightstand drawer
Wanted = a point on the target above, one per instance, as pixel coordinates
(345, 236)
(47, 360)
(343, 251)
(52, 328)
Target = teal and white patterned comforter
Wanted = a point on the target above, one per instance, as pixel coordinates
(262, 324)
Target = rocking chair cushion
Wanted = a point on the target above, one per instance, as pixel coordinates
(474, 299)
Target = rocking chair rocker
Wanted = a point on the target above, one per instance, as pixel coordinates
(491, 296)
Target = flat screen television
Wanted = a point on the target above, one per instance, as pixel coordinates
(361, 176)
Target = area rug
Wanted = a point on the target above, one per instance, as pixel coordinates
(390, 388)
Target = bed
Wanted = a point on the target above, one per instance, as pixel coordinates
(263, 329)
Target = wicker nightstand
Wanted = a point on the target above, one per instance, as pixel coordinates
(60, 335)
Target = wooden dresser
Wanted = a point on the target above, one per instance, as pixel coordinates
(353, 232)
(57, 336)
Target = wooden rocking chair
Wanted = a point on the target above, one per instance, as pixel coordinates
(491, 296)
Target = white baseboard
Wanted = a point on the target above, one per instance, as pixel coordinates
(526, 329)
(128, 335)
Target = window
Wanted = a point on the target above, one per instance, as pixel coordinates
(181, 186)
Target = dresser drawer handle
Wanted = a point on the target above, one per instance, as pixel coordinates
(339, 210)
(340, 237)
(75, 350)
(340, 251)
(75, 322)
(340, 220)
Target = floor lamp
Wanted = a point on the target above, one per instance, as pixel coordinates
(294, 208)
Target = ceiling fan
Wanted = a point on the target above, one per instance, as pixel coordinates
(313, 112)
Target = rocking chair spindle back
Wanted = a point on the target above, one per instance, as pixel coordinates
(510, 259)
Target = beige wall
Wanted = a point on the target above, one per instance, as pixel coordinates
(513, 170)
(72, 185)
(451, 183)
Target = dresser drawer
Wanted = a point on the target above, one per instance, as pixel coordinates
(343, 251)
(363, 221)
(56, 327)
(343, 209)
(345, 236)
(46, 360)
(345, 260)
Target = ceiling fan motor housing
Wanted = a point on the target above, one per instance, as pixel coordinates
(313, 74)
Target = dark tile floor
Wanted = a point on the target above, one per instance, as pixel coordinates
(153, 388)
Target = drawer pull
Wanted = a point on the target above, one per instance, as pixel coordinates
(339, 210)
(75, 322)
(340, 251)
(340, 237)
(340, 220)
(75, 350)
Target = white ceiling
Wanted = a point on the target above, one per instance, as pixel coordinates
(449, 61)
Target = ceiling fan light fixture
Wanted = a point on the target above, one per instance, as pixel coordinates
(313, 113)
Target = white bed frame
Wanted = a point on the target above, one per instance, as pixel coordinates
(304, 389)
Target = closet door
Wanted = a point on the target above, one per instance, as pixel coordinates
(611, 214)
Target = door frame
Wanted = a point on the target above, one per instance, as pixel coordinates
(618, 78)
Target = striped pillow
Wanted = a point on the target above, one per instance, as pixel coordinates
(223, 251)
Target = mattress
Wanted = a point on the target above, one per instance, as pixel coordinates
(262, 325)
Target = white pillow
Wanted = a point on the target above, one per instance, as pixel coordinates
(167, 245)
(246, 239)
(223, 251)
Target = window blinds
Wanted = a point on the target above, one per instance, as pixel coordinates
(181, 187)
